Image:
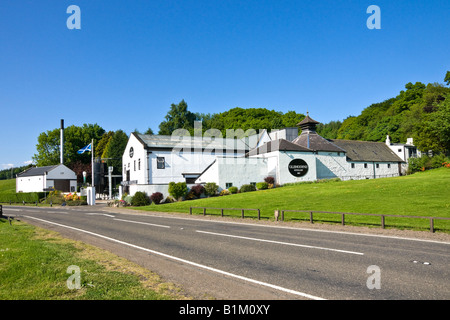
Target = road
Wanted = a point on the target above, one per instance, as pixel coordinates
(238, 260)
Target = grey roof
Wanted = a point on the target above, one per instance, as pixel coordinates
(277, 145)
(316, 142)
(36, 171)
(367, 151)
(171, 142)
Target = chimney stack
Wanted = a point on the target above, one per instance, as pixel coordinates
(62, 141)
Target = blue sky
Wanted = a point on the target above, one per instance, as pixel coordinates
(132, 59)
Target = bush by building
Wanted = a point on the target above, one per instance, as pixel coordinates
(262, 185)
(248, 188)
(233, 189)
(140, 199)
(156, 197)
(211, 189)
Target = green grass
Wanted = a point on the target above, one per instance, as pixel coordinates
(421, 194)
(34, 262)
(8, 185)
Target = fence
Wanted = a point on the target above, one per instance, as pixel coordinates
(382, 216)
(222, 209)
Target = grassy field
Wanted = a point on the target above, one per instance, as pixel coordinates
(8, 185)
(34, 263)
(421, 194)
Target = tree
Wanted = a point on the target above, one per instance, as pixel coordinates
(75, 138)
(178, 117)
(114, 150)
(447, 78)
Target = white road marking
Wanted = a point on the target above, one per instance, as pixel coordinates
(279, 242)
(146, 223)
(294, 292)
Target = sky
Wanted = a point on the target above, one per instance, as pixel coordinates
(131, 60)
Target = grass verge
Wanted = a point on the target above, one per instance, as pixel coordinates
(34, 264)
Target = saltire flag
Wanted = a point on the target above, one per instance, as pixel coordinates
(87, 148)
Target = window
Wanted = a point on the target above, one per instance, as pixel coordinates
(160, 163)
(134, 165)
(389, 165)
(139, 164)
(399, 150)
(365, 165)
(253, 183)
(353, 166)
(378, 165)
(228, 185)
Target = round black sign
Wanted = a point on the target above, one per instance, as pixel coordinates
(131, 152)
(298, 167)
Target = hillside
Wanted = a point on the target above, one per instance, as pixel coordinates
(8, 185)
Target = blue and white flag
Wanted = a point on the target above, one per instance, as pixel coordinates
(83, 150)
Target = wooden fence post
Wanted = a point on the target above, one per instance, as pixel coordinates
(311, 217)
(432, 225)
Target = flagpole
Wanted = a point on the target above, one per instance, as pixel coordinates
(92, 153)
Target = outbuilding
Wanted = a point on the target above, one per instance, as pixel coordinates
(38, 179)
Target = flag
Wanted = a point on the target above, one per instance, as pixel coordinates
(87, 148)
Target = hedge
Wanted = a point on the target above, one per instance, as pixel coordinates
(29, 197)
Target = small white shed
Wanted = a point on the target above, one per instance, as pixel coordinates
(37, 179)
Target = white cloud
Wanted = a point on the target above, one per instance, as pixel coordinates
(6, 165)
(28, 162)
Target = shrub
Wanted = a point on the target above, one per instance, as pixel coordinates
(191, 196)
(224, 192)
(233, 189)
(157, 197)
(178, 190)
(248, 188)
(140, 199)
(269, 180)
(128, 199)
(262, 185)
(211, 188)
(198, 189)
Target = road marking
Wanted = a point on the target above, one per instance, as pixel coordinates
(293, 228)
(279, 242)
(294, 292)
(146, 223)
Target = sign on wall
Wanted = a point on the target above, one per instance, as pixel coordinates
(298, 167)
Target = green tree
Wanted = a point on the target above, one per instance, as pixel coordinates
(447, 78)
(114, 150)
(178, 117)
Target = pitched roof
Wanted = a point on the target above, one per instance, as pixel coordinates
(367, 150)
(277, 145)
(314, 141)
(36, 171)
(171, 142)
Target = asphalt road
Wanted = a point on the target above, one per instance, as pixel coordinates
(236, 260)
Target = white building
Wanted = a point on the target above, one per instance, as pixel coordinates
(404, 151)
(152, 162)
(37, 179)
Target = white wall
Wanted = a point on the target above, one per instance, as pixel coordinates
(30, 184)
(140, 174)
